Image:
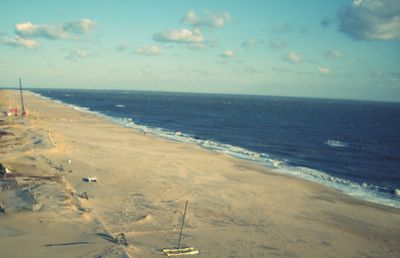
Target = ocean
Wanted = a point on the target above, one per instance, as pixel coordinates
(352, 146)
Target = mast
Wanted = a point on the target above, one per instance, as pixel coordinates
(183, 222)
(22, 97)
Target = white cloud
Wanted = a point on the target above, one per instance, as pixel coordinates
(371, 19)
(333, 54)
(77, 54)
(29, 30)
(151, 50)
(180, 36)
(357, 2)
(17, 41)
(228, 54)
(293, 57)
(64, 31)
(324, 70)
(82, 26)
(211, 19)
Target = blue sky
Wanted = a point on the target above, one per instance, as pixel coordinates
(332, 49)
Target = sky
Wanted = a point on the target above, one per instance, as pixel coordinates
(309, 48)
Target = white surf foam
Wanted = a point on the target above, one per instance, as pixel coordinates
(336, 143)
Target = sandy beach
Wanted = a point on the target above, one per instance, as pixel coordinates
(236, 208)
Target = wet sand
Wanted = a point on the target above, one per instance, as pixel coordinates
(236, 208)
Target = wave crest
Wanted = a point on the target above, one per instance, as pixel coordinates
(336, 143)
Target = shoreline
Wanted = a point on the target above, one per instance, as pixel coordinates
(361, 191)
(236, 207)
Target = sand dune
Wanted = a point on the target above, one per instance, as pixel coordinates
(236, 208)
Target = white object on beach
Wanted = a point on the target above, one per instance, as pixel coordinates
(90, 179)
(178, 134)
(180, 251)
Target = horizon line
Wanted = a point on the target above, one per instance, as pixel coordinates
(203, 93)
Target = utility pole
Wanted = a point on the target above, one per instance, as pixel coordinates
(22, 98)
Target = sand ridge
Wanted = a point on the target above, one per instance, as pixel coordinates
(236, 208)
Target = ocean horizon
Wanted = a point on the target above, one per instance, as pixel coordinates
(33, 89)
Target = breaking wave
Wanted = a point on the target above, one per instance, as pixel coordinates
(336, 143)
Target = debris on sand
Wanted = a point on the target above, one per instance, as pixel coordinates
(121, 239)
(2, 209)
(88, 179)
(4, 170)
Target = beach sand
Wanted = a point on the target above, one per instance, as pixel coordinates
(236, 208)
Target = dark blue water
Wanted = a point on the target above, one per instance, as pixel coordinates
(356, 141)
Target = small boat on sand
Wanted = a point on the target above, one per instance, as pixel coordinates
(180, 250)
